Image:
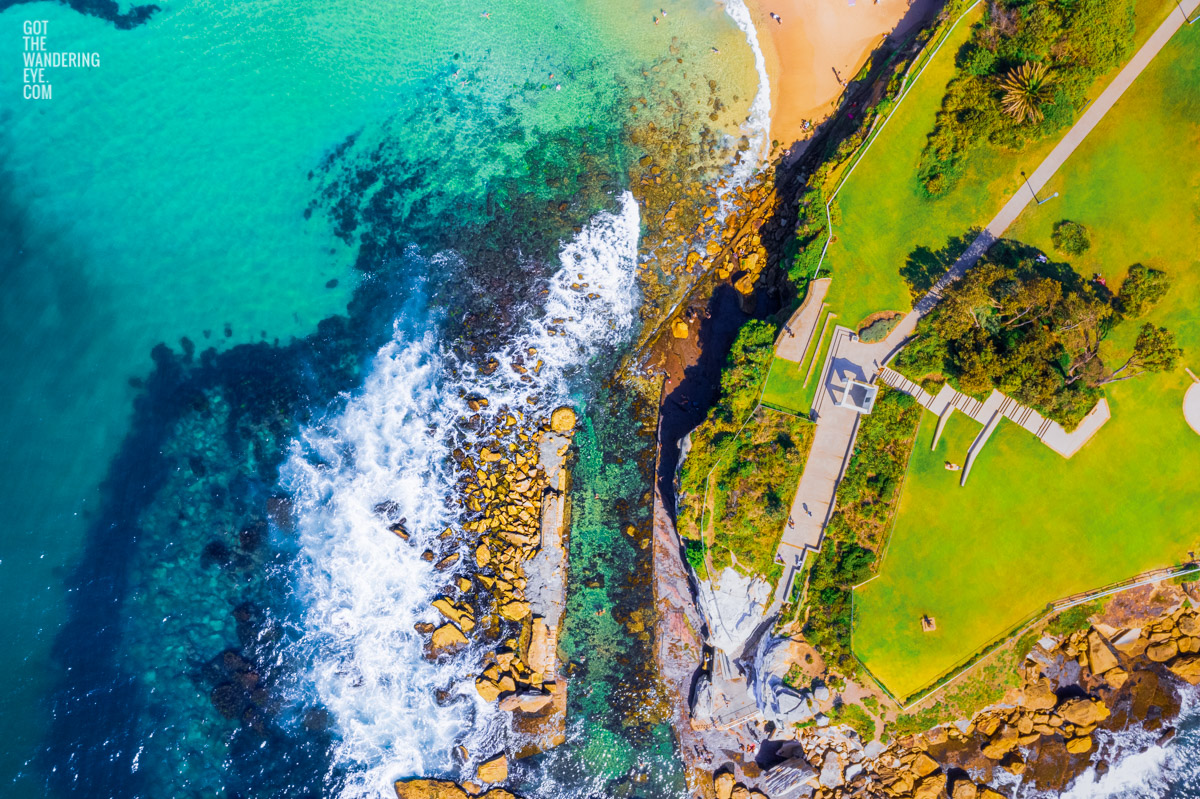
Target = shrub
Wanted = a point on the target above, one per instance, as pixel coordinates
(1002, 95)
(1141, 290)
(878, 330)
(1070, 238)
(854, 717)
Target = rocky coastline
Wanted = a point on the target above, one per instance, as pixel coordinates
(513, 484)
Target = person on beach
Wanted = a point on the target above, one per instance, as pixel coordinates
(778, 19)
(715, 50)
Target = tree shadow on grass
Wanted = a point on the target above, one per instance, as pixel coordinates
(925, 266)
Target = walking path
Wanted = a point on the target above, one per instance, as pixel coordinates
(801, 328)
(850, 358)
(989, 412)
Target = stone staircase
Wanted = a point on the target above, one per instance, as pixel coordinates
(991, 412)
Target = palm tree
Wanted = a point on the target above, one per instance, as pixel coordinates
(1026, 88)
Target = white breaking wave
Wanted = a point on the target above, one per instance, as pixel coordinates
(1138, 767)
(364, 588)
(758, 122)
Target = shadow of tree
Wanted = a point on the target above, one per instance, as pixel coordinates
(924, 265)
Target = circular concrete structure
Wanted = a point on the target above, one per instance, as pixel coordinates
(1191, 406)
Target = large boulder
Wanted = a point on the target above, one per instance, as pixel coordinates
(443, 789)
(1001, 744)
(1101, 658)
(723, 783)
(1162, 651)
(1040, 695)
(931, 787)
(924, 765)
(563, 420)
(1083, 712)
(1078, 746)
(964, 789)
(1186, 667)
(429, 789)
(494, 770)
(446, 639)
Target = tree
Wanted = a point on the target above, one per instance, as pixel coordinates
(1154, 351)
(1070, 237)
(1141, 290)
(1029, 301)
(1026, 89)
(1080, 326)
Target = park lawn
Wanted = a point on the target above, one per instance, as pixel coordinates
(785, 386)
(792, 386)
(1030, 527)
(884, 213)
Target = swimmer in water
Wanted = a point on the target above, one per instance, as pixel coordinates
(486, 15)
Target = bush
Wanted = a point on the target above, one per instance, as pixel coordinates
(1141, 290)
(878, 330)
(1074, 619)
(1077, 41)
(1070, 238)
(854, 717)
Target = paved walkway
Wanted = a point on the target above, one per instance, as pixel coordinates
(996, 407)
(851, 358)
(802, 327)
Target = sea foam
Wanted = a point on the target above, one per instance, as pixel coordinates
(363, 588)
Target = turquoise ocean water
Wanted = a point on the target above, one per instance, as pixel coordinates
(294, 198)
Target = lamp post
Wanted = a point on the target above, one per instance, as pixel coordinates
(1034, 193)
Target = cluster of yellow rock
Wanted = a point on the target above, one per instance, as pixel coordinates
(1043, 714)
(508, 678)
(917, 775)
(728, 788)
(445, 789)
(1173, 641)
(503, 485)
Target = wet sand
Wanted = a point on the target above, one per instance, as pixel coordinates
(819, 45)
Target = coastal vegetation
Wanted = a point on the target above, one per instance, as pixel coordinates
(737, 481)
(885, 218)
(866, 499)
(1021, 77)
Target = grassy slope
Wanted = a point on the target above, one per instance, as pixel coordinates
(884, 214)
(1030, 527)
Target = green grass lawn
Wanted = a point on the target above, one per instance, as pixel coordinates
(884, 214)
(785, 386)
(792, 386)
(1030, 527)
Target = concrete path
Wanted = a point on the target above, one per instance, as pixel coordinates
(989, 412)
(849, 357)
(1062, 151)
(802, 327)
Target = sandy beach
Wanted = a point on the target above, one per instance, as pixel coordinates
(818, 45)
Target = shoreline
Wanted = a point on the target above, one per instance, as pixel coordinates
(819, 47)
